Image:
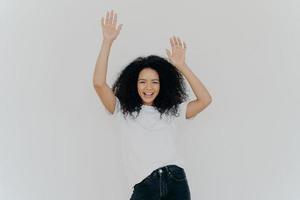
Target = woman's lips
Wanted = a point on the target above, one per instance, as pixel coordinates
(148, 94)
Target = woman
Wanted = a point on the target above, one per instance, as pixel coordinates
(148, 100)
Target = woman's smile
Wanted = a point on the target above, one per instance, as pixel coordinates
(148, 85)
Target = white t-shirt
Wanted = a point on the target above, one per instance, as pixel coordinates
(147, 142)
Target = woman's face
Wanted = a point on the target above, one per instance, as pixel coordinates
(148, 85)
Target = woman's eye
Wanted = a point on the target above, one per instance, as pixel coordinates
(145, 82)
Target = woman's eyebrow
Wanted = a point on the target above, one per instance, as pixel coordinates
(152, 79)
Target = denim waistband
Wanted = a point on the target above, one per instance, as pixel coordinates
(164, 169)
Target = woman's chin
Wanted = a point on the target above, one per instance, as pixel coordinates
(148, 100)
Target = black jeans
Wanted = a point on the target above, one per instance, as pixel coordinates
(165, 183)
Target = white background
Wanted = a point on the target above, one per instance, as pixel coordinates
(56, 140)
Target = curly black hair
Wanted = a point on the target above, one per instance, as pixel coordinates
(172, 87)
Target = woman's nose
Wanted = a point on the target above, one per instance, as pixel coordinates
(149, 86)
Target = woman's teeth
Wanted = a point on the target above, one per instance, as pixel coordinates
(148, 94)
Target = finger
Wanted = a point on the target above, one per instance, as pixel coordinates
(111, 15)
(179, 42)
(184, 45)
(172, 42)
(107, 17)
(175, 41)
(115, 19)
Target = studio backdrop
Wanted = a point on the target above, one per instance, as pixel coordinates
(57, 142)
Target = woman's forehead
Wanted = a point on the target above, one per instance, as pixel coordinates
(148, 74)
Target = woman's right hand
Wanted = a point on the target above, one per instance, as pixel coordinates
(109, 26)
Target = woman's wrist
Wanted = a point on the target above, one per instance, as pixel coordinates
(107, 41)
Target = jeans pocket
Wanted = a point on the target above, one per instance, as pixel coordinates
(176, 173)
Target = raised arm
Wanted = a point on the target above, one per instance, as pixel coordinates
(177, 57)
(110, 32)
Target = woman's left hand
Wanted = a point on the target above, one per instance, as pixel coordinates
(177, 56)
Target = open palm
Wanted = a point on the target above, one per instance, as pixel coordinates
(177, 55)
(110, 29)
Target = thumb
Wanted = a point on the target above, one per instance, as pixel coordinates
(119, 28)
(102, 21)
(168, 53)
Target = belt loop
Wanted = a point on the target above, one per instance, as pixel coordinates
(168, 172)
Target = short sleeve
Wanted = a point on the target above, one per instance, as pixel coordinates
(117, 108)
(182, 111)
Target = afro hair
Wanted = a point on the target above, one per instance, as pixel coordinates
(172, 87)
